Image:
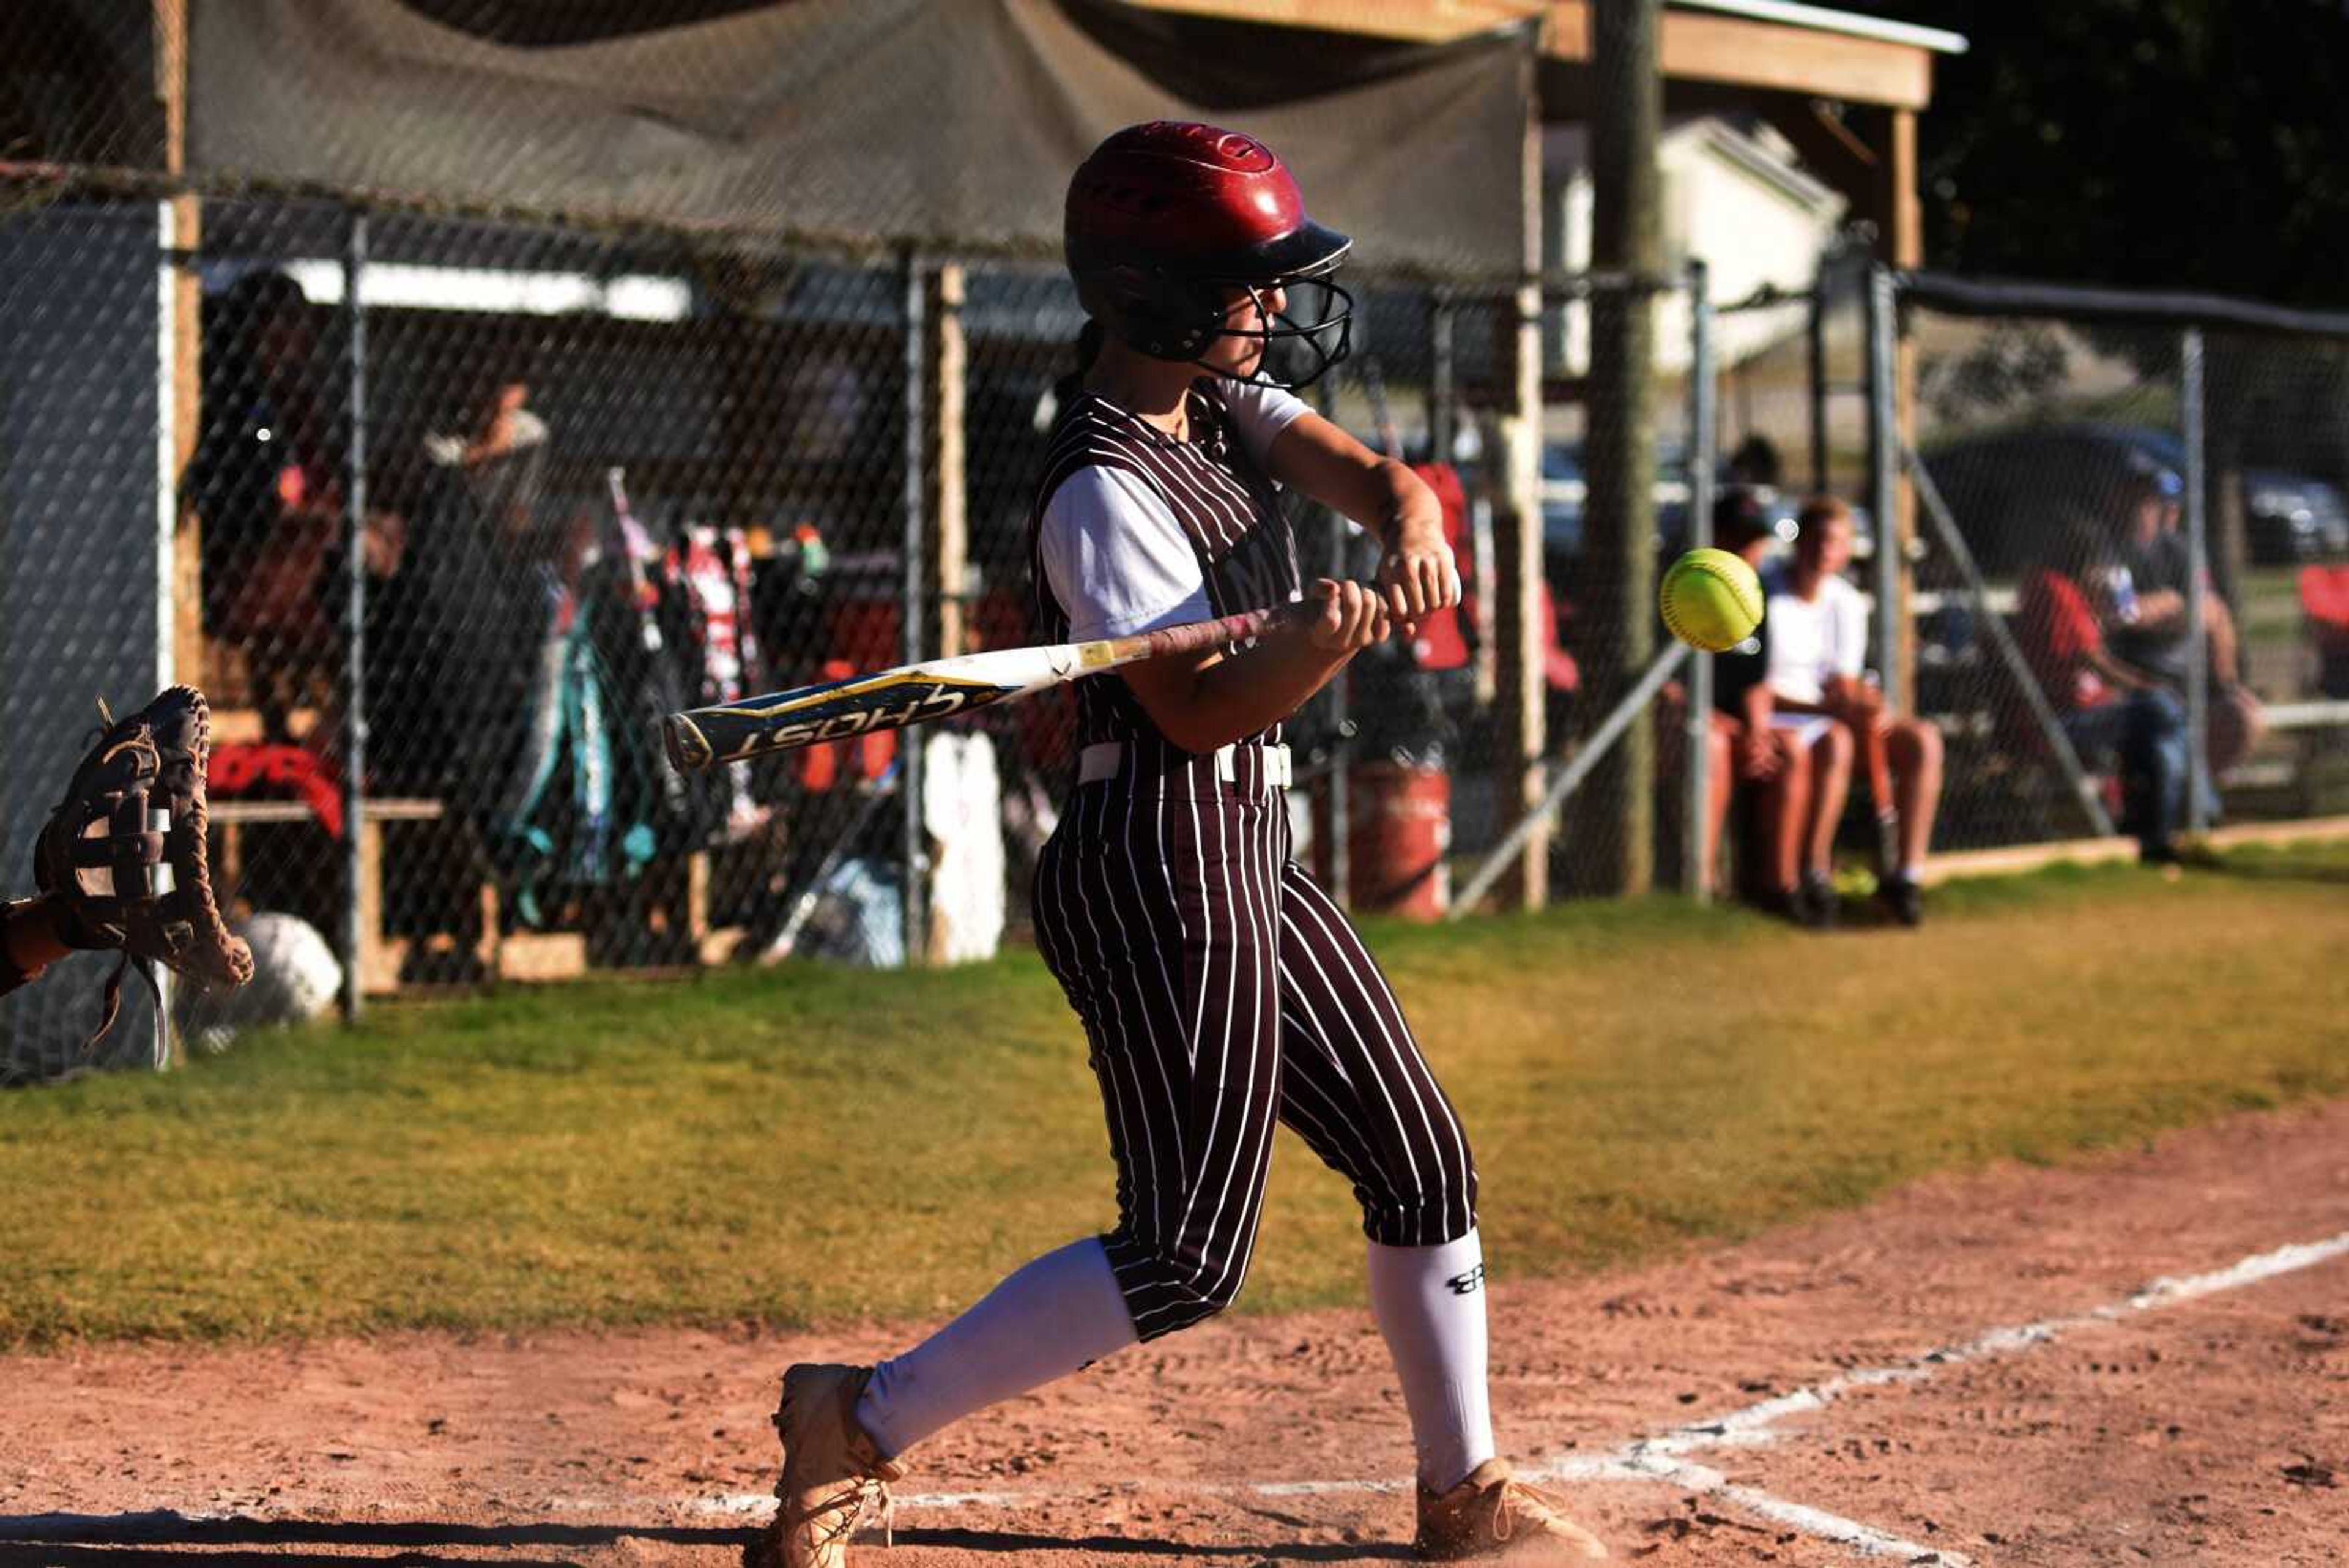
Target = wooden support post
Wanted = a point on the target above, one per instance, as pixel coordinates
(485, 940)
(378, 959)
(1614, 832)
(948, 359)
(695, 918)
(185, 325)
(1906, 252)
(1518, 555)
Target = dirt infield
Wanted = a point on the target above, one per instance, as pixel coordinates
(1775, 1402)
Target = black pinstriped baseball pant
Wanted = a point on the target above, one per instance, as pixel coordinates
(1222, 992)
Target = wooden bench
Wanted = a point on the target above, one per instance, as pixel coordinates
(388, 961)
(383, 956)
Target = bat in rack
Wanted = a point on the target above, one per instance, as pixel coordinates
(917, 693)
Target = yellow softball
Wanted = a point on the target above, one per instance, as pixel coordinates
(1710, 599)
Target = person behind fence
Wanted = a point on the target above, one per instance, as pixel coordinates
(2111, 710)
(454, 683)
(1768, 760)
(2155, 634)
(1819, 649)
(266, 485)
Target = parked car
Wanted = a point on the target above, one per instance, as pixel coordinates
(2288, 518)
(2291, 517)
(1564, 491)
(2008, 489)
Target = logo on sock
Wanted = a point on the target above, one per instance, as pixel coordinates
(1466, 1285)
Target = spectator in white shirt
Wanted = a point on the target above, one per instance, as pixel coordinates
(1818, 645)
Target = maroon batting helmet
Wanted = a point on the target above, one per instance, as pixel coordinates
(1164, 219)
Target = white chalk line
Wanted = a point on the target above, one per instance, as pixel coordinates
(1750, 1424)
(1657, 1460)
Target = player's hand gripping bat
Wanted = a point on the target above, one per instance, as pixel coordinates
(916, 693)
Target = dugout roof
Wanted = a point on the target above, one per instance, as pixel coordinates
(949, 121)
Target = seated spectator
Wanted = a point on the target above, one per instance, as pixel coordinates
(2155, 637)
(1749, 749)
(1818, 647)
(2324, 604)
(2109, 708)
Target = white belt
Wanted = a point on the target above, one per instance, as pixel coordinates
(1106, 760)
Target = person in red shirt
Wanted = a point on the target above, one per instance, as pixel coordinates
(2107, 706)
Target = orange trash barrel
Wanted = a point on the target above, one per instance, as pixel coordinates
(1398, 828)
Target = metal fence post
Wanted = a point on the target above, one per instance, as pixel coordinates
(1341, 706)
(354, 935)
(914, 903)
(1884, 469)
(1441, 396)
(1696, 814)
(1815, 331)
(2198, 674)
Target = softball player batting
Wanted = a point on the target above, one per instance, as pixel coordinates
(1221, 991)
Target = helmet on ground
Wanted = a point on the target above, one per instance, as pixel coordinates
(1165, 220)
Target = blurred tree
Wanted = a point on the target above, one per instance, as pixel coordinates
(2174, 143)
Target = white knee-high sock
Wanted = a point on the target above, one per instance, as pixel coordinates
(1430, 1303)
(1054, 1315)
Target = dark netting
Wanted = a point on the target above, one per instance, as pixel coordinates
(448, 476)
(84, 545)
(2276, 467)
(2054, 450)
(451, 474)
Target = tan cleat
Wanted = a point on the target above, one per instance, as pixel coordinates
(832, 1471)
(1495, 1517)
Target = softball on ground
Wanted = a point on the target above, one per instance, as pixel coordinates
(1710, 599)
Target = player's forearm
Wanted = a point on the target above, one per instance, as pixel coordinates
(1382, 495)
(28, 931)
(1236, 697)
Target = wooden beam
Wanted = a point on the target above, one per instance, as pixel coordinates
(948, 356)
(1696, 47)
(1417, 21)
(1905, 247)
(1908, 214)
(170, 88)
(1517, 530)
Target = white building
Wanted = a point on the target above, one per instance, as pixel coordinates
(1734, 197)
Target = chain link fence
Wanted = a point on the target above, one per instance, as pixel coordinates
(451, 509)
(84, 547)
(2131, 535)
(444, 511)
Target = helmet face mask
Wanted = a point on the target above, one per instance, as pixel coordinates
(1299, 343)
(1175, 231)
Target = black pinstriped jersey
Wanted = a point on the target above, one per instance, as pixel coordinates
(1227, 506)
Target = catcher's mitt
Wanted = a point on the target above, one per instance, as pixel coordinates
(124, 858)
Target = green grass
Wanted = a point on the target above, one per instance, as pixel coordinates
(810, 1144)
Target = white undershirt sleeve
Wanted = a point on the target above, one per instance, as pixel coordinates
(1261, 413)
(1116, 559)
